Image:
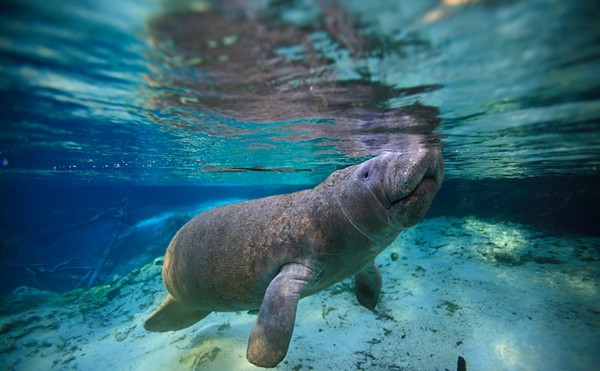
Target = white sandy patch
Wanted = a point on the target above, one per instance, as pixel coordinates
(502, 296)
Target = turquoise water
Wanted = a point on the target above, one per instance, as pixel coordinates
(97, 93)
(119, 123)
(153, 102)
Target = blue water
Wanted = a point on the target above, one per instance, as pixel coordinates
(96, 93)
(121, 122)
(150, 94)
(163, 95)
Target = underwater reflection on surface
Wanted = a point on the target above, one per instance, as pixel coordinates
(191, 93)
(281, 92)
(517, 97)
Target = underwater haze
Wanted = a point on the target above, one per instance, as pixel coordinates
(121, 122)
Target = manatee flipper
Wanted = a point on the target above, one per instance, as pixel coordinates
(272, 331)
(367, 286)
(173, 315)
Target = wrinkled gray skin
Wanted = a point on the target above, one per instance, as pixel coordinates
(270, 252)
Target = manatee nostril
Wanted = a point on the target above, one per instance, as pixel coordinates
(365, 175)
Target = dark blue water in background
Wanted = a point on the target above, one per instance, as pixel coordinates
(114, 116)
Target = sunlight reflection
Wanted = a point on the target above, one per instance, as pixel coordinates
(581, 284)
(445, 9)
(501, 243)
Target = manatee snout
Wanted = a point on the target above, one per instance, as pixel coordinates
(413, 167)
(416, 179)
(395, 175)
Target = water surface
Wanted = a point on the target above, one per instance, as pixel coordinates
(147, 93)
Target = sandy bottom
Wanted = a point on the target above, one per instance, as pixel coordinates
(500, 295)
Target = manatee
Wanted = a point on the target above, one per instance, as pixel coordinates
(269, 253)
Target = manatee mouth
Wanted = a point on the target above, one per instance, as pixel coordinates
(427, 186)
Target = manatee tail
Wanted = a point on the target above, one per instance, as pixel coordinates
(172, 316)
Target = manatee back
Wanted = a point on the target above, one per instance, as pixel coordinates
(224, 258)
